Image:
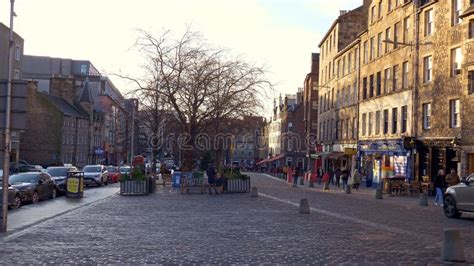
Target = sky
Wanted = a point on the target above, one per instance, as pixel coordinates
(280, 34)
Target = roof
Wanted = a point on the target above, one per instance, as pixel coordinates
(63, 106)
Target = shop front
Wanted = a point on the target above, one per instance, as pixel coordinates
(381, 159)
(433, 155)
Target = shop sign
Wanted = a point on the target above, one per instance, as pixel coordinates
(350, 151)
(364, 147)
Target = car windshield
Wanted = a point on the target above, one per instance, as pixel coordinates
(24, 178)
(57, 171)
(112, 169)
(91, 169)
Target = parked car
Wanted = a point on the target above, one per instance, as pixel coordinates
(59, 174)
(95, 174)
(459, 198)
(14, 198)
(15, 167)
(34, 186)
(125, 169)
(113, 174)
(31, 168)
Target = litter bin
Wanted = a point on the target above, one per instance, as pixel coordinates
(152, 184)
(75, 184)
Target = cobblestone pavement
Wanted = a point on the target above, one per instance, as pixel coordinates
(168, 227)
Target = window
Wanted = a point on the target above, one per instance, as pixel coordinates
(364, 124)
(426, 115)
(396, 29)
(471, 29)
(395, 77)
(370, 125)
(315, 105)
(379, 15)
(344, 66)
(377, 123)
(354, 128)
(456, 11)
(456, 60)
(389, 5)
(404, 118)
(379, 83)
(83, 69)
(387, 85)
(290, 127)
(406, 29)
(405, 75)
(364, 88)
(427, 68)
(339, 68)
(372, 48)
(372, 14)
(387, 38)
(16, 74)
(329, 72)
(314, 124)
(379, 44)
(366, 52)
(349, 63)
(470, 82)
(394, 120)
(332, 98)
(429, 23)
(455, 111)
(371, 84)
(17, 52)
(356, 58)
(385, 121)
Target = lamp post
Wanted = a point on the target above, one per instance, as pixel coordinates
(7, 133)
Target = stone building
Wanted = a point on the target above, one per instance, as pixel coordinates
(310, 104)
(333, 65)
(17, 61)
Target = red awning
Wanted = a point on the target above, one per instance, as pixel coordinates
(278, 157)
(335, 155)
(262, 161)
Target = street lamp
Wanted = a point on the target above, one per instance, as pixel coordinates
(6, 154)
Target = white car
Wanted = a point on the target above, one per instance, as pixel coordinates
(96, 174)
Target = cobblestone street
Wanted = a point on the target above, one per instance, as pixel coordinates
(168, 227)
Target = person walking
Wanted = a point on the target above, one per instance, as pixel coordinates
(326, 180)
(439, 183)
(344, 178)
(289, 174)
(211, 179)
(452, 178)
(356, 179)
(320, 175)
(337, 176)
(296, 174)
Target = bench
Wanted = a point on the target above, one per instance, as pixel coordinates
(188, 183)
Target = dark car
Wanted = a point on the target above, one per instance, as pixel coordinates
(14, 198)
(34, 186)
(59, 174)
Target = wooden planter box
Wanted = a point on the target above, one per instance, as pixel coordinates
(237, 185)
(134, 187)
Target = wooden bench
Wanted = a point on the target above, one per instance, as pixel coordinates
(189, 183)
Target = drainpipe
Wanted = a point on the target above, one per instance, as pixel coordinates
(416, 81)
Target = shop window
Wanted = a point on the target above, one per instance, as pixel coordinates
(455, 113)
(385, 121)
(426, 115)
(456, 60)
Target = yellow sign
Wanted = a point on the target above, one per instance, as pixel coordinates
(350, 151)
(73, 185)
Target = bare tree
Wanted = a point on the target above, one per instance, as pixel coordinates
(200, 84)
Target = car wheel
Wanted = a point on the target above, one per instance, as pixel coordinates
(54, 194)
(35, 197)
(16, 202)
(449, 207)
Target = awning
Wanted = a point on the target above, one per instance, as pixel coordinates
(278, 157)
(336, 155)
(262, 161)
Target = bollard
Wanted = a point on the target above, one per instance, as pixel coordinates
(301, 182)
(348, 189)
(326, 186)
(378, 194)
(304, 206)
(423, 199)
(453, 250)
(311, 183)
(254, 192)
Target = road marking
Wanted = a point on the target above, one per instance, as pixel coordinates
(345, 217)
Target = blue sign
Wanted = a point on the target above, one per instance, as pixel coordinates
(99, 151)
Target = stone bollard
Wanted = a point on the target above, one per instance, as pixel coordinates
(326, 186)
(378, 194)
(311, 183)
(254, 192)
(348, 189)
(304, 206)
(423, 199)
(301, 181)
(453, 250)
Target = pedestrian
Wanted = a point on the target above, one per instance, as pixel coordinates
(439, 184)
(211, 179)
(344, 178)
(337, 176)
(320, 175)
(326, 180)
(296, 174)
(356, 179)
(452, 178)
(289, 174)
